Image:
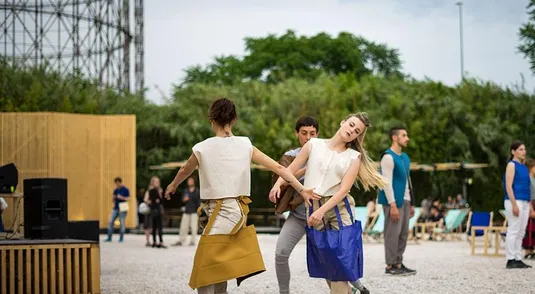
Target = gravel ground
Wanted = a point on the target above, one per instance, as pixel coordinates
(443, 267)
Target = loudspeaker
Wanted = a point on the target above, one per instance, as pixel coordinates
(84, 230)
(9, 178)
(45, 208)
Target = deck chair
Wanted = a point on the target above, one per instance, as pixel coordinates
(504, 225)
(360, 213)
(478, 226)
(504, 214)
(377, 226)
(412, 223)
(452, 223)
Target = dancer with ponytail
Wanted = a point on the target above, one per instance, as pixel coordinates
(228, 248)
(333, 166)
(516, 183)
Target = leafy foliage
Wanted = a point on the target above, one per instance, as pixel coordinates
(527, 36)
(274, 59)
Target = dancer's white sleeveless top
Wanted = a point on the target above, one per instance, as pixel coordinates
(326, 168)
(224, 167)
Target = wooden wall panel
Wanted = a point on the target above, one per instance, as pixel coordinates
(118, 145)
(88, 150)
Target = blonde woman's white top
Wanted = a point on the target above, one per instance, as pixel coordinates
(326, 168)
(224, 167)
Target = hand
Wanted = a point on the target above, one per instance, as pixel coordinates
(186, 199)
(274, 194)
(170, 190)
(394, 213)
(315, 218)
(412, 210)
(516, 211)
(309, 195)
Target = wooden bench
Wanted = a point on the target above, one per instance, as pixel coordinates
(49, 266)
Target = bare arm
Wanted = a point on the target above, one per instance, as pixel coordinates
(182, 174)
(345, 186)
(387, 170)
(286, 174)
(299, 174)
(146, 197)
(509, 176)
(298, 162)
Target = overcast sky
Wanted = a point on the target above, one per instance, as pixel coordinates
(181, 33)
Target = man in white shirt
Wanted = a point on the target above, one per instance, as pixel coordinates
(398, 202)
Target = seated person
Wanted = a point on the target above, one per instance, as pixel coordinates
(434, 220)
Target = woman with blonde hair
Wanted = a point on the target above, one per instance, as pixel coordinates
(333, 167)
(228, 248)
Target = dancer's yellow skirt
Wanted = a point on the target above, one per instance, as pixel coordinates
(222, 257)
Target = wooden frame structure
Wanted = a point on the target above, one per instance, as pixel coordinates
(88, 150)
(60, 266)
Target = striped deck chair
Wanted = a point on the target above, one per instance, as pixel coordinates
(453, 222)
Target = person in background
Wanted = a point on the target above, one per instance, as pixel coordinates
(461, 203)
(438, 205)
(370, 207)
(434, 220)
(155, 202)
(3, 207)
(529, 240)
(398, 202)
(121, 194)
(516, 184)
(451, 203)
(148, 224)
(190, 219)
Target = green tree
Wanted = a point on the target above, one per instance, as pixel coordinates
(274, 59)
(527, 36)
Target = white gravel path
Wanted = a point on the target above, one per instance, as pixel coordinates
(443, 267)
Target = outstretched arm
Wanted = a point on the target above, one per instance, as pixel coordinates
(284, 173)
(295, 166)
(182, 174)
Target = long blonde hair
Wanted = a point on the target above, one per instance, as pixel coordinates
(368, 175)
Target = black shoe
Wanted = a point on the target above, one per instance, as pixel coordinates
(511, 263)
(521, 264)
(408, 271)
(364, 290)
(395, 271)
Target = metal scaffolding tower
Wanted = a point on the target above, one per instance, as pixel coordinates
(87, 37)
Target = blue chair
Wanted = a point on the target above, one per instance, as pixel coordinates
(478, 225)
